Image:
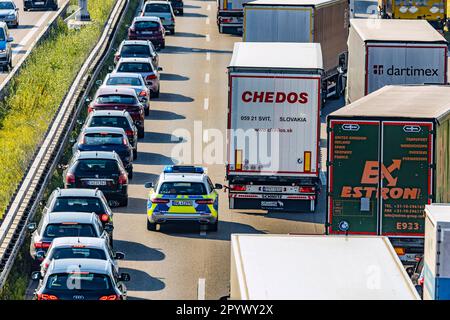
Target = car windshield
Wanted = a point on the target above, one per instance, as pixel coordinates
(116, 99)
(6, 5)
(73, 204)
(89, 166)
(135, 67)
(84, 281)
(102, 138)
(135, 50)
(366, 7)
(77, 252)
(191, 188)
(146, 25)
(110, 121)
(58, 230)
(124, 81)
(157, 7)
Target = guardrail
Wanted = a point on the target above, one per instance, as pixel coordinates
(26, 201)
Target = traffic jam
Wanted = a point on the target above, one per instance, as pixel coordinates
(335, 108)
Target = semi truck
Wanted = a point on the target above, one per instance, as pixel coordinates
(436, 272)
(230, 15)
(274, 126)
(315, 21)
(432, 11)
(388, 157)
(383, 52)
(297, 267)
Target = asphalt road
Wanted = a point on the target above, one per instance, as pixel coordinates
(184, 262)
(31, 24)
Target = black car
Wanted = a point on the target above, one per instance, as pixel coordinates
(177, 6)
(117, 119)
(81, 279)
(107, 139)
(40, 4)
(99, 169)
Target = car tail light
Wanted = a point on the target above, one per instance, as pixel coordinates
(238, 187)
(90, 108)
(70, 178)
(45, 265)
(205, 201)
(420, 281)
(124, 141)
(104, 217)
(123, 178)
(43, 296)
(42, 245)
(129, 132)
(143, 93)
(159, 200)
(117, 57)
(151, 77)
(111, 297)
(307, 189)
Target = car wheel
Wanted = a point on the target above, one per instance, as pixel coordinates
(111, 241)
(124, 202)
(55, 7)
(181, 12)
(135, 154)
(157, 94)
(141, 133)
(163, 46)
(147, 111)
(213, 227)
(151, 226)
(130, 174)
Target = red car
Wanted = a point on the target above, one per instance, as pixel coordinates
(118, 98)
(148, 28)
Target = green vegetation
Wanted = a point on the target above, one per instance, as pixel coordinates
(37, 92)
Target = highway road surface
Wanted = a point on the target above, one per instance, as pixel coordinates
(31, 24)
(184, 262)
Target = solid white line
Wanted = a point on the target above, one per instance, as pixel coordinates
(206, 77)
(31, 33)
(208, 38)
(208, 7)
(201, 289)
(208, 56)
(206, 103)
(207, 21)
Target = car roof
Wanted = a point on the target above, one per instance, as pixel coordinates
(78, 217)
(156, 1)
(104, 129)
(97, 155)
(86, 265)
(72, 241)
(115, 90)
(115, 113)
(145, 18)
(124, 74)
(131, 59)
(178, 177)
(78, 192)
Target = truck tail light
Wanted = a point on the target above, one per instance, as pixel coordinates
(159, 200)
(111, 297)
(43, 296)
(238, 159)
(307, 189)
(226, 20)
(307, 161)
(70, 178)
(400, 251)
(205, 201)
(238, 187)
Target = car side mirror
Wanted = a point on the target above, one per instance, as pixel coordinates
(99, 82)
(10, 39)
(111, 68)
(124, 277)
(218, 186)
(109, 227)
(148, 185)
(160, 69)
(119, 256)
(36, 275)
(40, 255)
(32, 226)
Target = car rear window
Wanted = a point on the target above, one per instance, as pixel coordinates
(135, 67)
(102, 138)
(90, 166)
(190, 188)
(146, 25)
(84, 281)
(116, 98)
(77, 252)
(109, 121)
(135, 49)
(157, 7)
(124, 81)
(58, 230)
(67, 204)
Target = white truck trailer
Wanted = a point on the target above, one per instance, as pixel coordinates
(315, 21)
(278, 267)
(437, 252)
(383, 52)
(274, 126)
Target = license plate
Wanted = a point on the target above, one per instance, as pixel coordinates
(147, 32)
(182, 203)
(96, 182)
(272, 189)
(40, 3)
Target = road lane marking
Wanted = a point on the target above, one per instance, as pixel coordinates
(31, 33)
(206, 77)
(208, 7)
(208, 38)
(208, 56)
(206, 103)
(201, 289)
(207, 21)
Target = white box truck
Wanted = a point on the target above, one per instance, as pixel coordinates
(314, 21)
(436, 270)
(230, 15)
(297, 267)
(383, 52)
(273, 126)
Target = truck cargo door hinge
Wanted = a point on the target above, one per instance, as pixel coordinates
(329, 163)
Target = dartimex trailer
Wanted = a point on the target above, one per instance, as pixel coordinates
(389, 156)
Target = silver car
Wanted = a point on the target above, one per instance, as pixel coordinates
(145, 68)
(133, 81)
(9, 13)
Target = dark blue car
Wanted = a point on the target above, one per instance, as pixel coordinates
(107, 139)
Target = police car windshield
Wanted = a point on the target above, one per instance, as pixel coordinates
(69, 230)
(85, 281)
(77, 253)
(74, 204)
(189, 188)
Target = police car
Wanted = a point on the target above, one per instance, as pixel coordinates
(183, 193)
